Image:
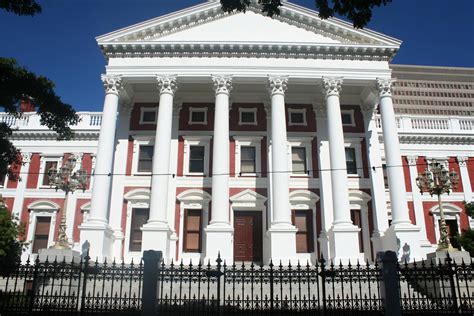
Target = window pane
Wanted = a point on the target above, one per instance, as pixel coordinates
(302, 243)
(41, 233)
(297, 118)
(48, 165)
(192, 233)
(139, 218)
(145, 159)
(196, 161)
(247, 160)
(346, 119)
(298, 157)
(149, 116)
(247, 117)
(351, 161)
(302, 219)
(198, 116)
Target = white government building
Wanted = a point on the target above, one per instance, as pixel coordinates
(257, 138)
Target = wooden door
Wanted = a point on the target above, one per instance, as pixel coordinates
(247, 236)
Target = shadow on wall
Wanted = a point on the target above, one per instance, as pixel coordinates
(85, 249)
(405, 257)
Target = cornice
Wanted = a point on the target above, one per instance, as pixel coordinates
(433, 139)
(248, 50)
(47, 135)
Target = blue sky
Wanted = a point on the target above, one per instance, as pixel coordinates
(60, 42)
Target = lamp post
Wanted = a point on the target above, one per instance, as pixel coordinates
(68, 181)
(436, 180)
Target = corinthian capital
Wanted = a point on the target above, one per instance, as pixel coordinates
(25, 157)
(332, 86)
(112, 83)
(222, 84)
(277, 85)
(167, 84)
(385, 87)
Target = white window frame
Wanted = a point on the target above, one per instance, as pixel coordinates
(451, 212)
(43, 159)
(356, 144)
(41, 209)
(248, 142)
(196, 141)
(301, 142)
(194, 109)
(146, 109)
(138, 198)
(351, 113)
(136, 153)
(248, 110)
(302, 111)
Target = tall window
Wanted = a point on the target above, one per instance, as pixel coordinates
(351, 161)
(196, 159)
(247, 159)
(304, 236)
(145, 159)
(47, 166)
(298, 159)
(192, 230)
(40, 239)
(357, 220)
(139, 218)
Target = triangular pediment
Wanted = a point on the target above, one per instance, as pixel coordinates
(205, 28)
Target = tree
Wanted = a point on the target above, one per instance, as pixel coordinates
(357, 11)
(11, 246)
(466, 239)
(17, 84)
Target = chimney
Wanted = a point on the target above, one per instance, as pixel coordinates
(27, 105)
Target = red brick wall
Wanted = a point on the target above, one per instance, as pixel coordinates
(358, 118)
(430, 228)
(128, 168)
(135, 117)
(261, 118)
(33, 175)
(78, 216)
(180, 156)
(9, 203)
(310, 119)
(470, 170)
(184, 118)
(232, 157)
(411, 212)
(453, 165)
(25, 214)
(315, 155)
(263, 152)
(406, 174)
(16, 169)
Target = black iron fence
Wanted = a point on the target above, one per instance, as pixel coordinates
(90, 287)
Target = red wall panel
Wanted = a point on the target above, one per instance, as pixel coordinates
(33, 173)
(406, 174)
(261, 118)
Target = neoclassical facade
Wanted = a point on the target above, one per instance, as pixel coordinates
(284, 141)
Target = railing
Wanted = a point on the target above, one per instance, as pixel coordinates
(87, 121)
(432, 124)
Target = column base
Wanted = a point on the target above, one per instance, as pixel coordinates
(97, 237)
(405, 239)
(219, 240)
(282, 243)
(344, 244)
(60, 255)
(156, 236)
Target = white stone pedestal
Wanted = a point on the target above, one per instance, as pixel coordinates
(157, 237)
(283, 244)
(344, 244)
(99, 239)
(458, 256)
(219, 240)
(405, 239)
(60, 255)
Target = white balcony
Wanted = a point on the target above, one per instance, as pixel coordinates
(88, 121)
(432, 125)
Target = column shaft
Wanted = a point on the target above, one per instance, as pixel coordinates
(220, 156)
(161, 153)
(105, 151)
(340, 190)
(393, 157)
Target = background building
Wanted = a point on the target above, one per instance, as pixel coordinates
(225, 174)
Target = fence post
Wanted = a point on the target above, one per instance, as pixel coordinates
(388, 262)
(151, 262)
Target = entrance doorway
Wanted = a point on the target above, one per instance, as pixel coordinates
(248, 236)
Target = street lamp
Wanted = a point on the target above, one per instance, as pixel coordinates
(68, 181)
(436, 180)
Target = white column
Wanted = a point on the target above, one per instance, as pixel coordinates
(344, 237)
(324, 178)
(403, 235)
(219, 231)
(96, 233)
(466, 183)
(156, 231)
(118, 178)
(377, 184)
(281, 232)
(20, 189)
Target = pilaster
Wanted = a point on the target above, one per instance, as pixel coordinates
(20, 189)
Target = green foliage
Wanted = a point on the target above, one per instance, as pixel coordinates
(17, 84)
(357, 11)
(21, 7)
(10, 244)
(466, 240)
(469, 207)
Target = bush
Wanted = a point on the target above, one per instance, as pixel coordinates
(466, 240)
(10, 244)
